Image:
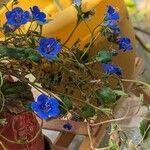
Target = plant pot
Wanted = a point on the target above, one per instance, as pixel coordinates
(21, 128)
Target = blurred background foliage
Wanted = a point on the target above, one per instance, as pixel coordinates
(140, 15)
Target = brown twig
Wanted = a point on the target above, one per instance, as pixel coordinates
(141, 43)
(143, 31)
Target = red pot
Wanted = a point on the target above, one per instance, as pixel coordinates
(21, 126)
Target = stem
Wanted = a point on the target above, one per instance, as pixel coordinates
(90, 136)
(71, 33)
(29, 28)
(143, 136)
(91, 43)
(3, 146)
(135, 81)
(118, 119)
(5, 5)
(1, 80)
(3, 101)
(142, 44)
(143, 31)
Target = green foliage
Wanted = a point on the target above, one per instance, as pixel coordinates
(14, 87)
(20, 53)
(143, 128)
(106, 96)
(66, 105)
(120, 93)
(17, 96)
(22, 141)
(104, 56)
(88, 111)
(145, 133)
(79, 12)
(131, 6)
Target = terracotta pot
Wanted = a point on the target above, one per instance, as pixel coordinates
(20, 127)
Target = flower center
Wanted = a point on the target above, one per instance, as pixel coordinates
(46, 107)
(49, 48)
(18, 18)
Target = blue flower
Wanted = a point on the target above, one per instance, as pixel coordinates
(46, 107)
(111, 14)
(38, 15)
(67, 126)
(77, 2)
(125, 44)
(17, 17)
(114, 28)
(111, 69)
(49, 47)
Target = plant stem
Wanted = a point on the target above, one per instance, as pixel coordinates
(135, 81)
(74, 29)
(3, 101)
(3, 146)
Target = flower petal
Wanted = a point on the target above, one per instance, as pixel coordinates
(54, 112)
(35, 107)
(42, 99)
(54, 102)
(43, 115)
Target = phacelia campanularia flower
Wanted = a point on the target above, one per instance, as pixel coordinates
(125, 44)
(17, 17)
(110, 26)
(111, 14)
(49, 48)
(46, 107)
(37, 15)
(77, 2)
(111, 69)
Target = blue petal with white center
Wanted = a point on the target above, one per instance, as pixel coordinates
(111, 14)
(49, 48)
(37, 15)
(46, 107)
(17, 17)
(77, 2)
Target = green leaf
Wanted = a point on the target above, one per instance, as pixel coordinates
(12, 52)
(103, 56)
(18, 88)
(20, 53)
(106, 96)
(120, 93)
(22, 141)
(34, 57)
(143, 127)
(67, 102)
(66, 105)
(88, 111)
